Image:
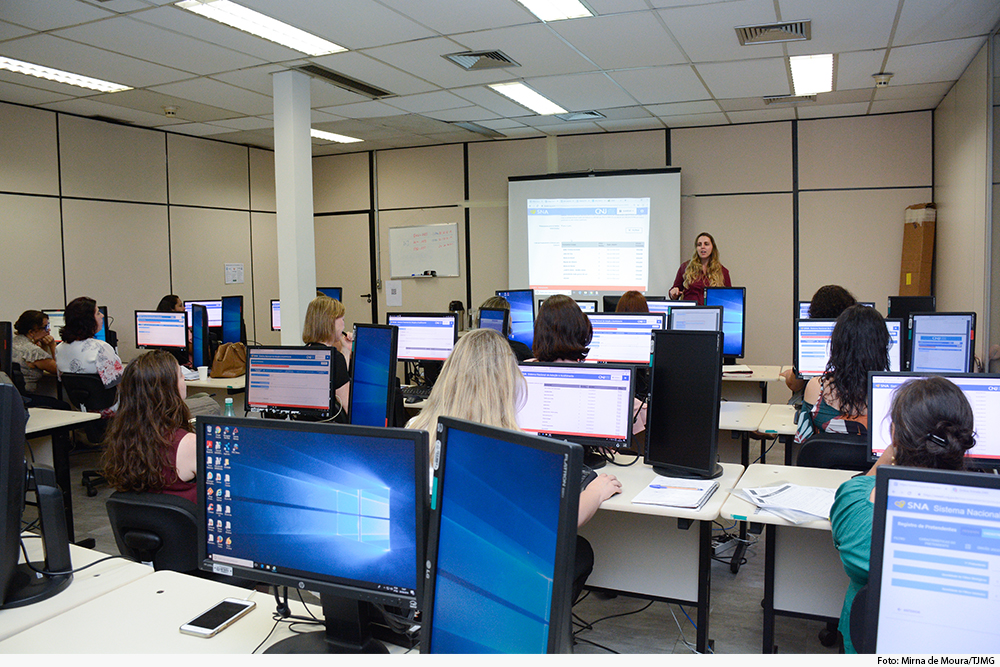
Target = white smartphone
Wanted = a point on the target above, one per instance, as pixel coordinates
(218, 618)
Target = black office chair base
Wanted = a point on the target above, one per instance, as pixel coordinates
(91, 478)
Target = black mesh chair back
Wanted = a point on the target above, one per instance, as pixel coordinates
(840, 451)
(155, 528)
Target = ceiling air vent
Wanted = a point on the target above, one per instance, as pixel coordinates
(478, 129)
(580, 115)
(476, 60)
(345, 82)
(788, 100)
(773, 33)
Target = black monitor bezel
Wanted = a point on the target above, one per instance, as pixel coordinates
(6, 347)
(972, 336)
(910, 304)
(670, 317)
(452, 314)
(506, 319)
(322, 585)
(588, 441)
(391, 388)
(283, 410)
(743, 320)
(140, 346)
(561, 604)
(626, 315)
(206, 343)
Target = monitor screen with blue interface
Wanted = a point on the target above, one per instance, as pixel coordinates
(733, 301)
(289, 380)
(982, 391)
(374, 373)
(214, 311)
(812, 345)
(587, 306)
(587, 404)
(102, 332)
(804, 308)
(200, 345)
(325, 507)
(424, 336)
(57, 320)
(494, 318)
(275, 315)
(696, 318)
(665, 306)
(232, 319)
(522, 314)
(934, 563)
(500, 553)
(159, 329)
(623, 337)
(942, 342)
(332, 292)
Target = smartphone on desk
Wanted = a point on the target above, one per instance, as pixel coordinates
(218, 618)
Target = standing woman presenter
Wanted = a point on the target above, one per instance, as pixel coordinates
(703, 270)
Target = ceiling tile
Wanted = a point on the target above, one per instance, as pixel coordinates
(50, 15)
(928, 63)
(371, 109)
(14, 92)
(748, 78)
(365, 68)
(630, 124)
(436, 101)
(909, 104)
(206, 91)
(922, 22)
(257, 79)
(706, 32)
(443, 17)
(649, 44)
(697, 120)
(52, 90)
(469, 113)
(536, 47)
(582, 92)
(423, 59)
(198, 129)
(854, 70)
(683, 108)
(9, 31)
(91, 107)
(939, 89)
(662, 85)
(828, 24)
(153, 102)
(246, 123)
(604, 7)
(832, 110)
(762, 115)
(490, 99)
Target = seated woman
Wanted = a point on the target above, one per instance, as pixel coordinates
(324, 326)
(33, 349)
(149, 446)
(79, 351)
(480, 382)
(837, 401)
(632, 302)
(932, 427)
(172, 303)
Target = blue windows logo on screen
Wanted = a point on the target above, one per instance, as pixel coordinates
(363, 515)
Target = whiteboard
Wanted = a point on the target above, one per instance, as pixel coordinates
(414, 250)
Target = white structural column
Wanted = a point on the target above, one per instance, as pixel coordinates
(294, 198)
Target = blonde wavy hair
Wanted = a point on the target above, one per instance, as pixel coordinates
(480, 382)
(694, 269)
(321, 321)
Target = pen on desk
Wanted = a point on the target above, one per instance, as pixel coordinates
(664, 486)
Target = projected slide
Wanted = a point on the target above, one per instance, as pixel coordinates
(588, 244)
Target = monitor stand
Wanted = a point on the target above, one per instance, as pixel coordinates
(728, 361)
(592, 459)
(347, 631)
(683, 473)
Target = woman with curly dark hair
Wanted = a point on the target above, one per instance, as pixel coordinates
(837, 401)
(79, 351)
(150, 446)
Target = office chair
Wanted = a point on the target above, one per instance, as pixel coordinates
(17, 377)
(840, 451)
(88, 393)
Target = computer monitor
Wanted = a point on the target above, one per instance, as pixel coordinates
(982, 391)
(733, 301)
(942, 342)
(373, 364)
(275, 315)
(623, 337)
(6, 347)
(812, 345)
(233, 329)
(900, 307)
(584, 403)
(329, 508)
(804, 307)
(497, 319)
(156, 329)
(57, 320)
(609, 302)
(665, 306)
(586, 305)
(932, 571)
(522, 314)
(424, 336)
(201, 346)
(501, 548)
(101, 333)
(290, 380)
(332, 292)
(214, 311)
(695, 318)
(682, 427)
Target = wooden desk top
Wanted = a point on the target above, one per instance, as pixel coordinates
(760, 474)
(758, 374)
(43, 421)
(235, 383)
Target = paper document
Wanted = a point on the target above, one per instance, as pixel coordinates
(676, 492)
(798, 504)
(189, 374)
(737, 369)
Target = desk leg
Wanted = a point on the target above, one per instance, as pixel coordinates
(763, 392)
(61, 444)
(768, 634)
(704, 584)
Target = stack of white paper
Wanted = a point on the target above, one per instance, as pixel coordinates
(676, 492)
(794, 503)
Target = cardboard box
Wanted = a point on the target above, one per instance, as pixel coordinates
(918, 250)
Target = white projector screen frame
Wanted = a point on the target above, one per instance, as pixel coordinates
(661, 186)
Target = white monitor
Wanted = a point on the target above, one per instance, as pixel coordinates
(160, 329)
(587, 404)
(942, 342)
(214, 311)
(289, 380)
(623, 337)
(424, 336)
(696, 318)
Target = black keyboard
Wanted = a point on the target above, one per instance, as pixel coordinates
(413, 391)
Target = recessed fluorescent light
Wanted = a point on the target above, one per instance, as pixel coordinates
(812, 74)
(62, 77)
(330, 136)
(526, 97)
(557, 10)
(258, 24)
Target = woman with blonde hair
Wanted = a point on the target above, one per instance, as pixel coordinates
(149, 446)
(703, 270)
(324, 327)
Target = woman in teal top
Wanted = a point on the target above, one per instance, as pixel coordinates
(931, 425)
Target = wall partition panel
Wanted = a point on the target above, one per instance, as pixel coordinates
(29, 160)
(262, 196)
(420, 177)
(612, 151)
(264, 245)
(208, 173)
(343, 260)
(31, 264)
(736, 159)
(117, 253)
(341, 183)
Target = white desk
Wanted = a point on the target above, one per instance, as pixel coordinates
(652, 551)
(780, 420)
(803, 575)
(87, 585)
(49, 430)
(223, 388)
(759, 374)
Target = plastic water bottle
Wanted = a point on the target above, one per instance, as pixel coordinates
(228, 412)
